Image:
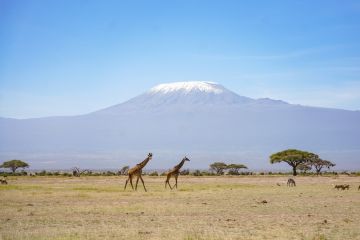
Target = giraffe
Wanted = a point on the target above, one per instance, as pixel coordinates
(136, 171)
(175, 172)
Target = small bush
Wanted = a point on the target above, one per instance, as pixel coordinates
(185, 172)
(154, 174)
(197, 173)
(108, 173)
(233, 172)
(207, 173)
(42, 173)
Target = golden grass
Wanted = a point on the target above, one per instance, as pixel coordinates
(202, 208)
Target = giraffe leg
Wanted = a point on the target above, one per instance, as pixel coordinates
(167, 181)
(176, 177)
(137, 181)
(127, 180)
(169, 184)
(131, 182)
(143, 183)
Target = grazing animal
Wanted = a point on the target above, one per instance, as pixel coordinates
(137, 171)
(3, 181)
(175, 172)
(291, 183)
(76, 172)
(342, 186)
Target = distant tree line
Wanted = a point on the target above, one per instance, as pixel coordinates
(298, 160)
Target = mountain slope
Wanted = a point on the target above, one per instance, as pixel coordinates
(180, 94)
(201, 119)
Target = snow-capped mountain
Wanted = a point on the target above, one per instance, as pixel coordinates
(203, 120)
(181, 94)
(187, 95)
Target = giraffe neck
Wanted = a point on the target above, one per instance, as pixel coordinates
(177, 167)
(143, 163)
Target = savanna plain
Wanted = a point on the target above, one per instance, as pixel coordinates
(242, 207)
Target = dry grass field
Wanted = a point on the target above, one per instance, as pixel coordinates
(252, 207)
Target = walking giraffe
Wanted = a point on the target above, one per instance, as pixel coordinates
(136, 171)
(175, 172)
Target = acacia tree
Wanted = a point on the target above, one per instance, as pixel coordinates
(304, 167)
(293, 157)
(124, 170)
(218, 167)
(14, 164)
(234, 168)
(320, 163)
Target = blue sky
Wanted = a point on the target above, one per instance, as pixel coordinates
(72, 57)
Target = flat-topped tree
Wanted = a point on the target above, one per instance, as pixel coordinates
(14, 164)
(124, 170)
(294, 158)
(218, 167)
(320, 163)
(234, 168)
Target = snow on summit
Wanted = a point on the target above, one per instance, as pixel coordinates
(188, 95)
(187, 87)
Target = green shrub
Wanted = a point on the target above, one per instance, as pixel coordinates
(42, 173)
(108, 173)
(197, 173)
(233, 172)
(154, 174)
(185, 172)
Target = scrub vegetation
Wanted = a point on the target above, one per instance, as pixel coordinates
(207, 207)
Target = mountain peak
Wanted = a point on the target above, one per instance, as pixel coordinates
(186, 95)
(187, 87)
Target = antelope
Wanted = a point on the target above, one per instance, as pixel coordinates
(291, 183)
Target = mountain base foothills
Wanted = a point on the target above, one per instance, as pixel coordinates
(207, 207)
(200, 119)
